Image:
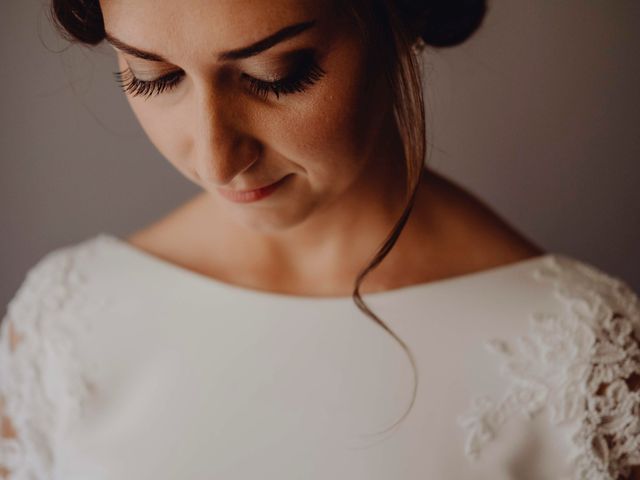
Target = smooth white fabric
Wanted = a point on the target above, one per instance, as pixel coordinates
(132, 368)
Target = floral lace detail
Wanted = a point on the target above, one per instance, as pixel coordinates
(579, 366)
(41, 380)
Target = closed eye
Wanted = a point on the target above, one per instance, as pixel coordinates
(307, 72)
(133, 86)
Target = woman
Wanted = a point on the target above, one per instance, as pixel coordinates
(222, 341)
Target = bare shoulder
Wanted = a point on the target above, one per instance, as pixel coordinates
(471, 226)
(169, 237)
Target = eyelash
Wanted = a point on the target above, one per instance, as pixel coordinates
(298, 81)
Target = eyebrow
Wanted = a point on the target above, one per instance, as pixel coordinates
(237, 54)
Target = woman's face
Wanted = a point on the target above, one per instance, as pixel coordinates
(221, 121)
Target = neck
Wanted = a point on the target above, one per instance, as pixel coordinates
(334, 243)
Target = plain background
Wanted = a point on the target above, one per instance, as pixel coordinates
(537, 114)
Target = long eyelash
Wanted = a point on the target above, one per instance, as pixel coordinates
(132, 85)
(298, 82)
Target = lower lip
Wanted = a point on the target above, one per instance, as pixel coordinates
(251, 195)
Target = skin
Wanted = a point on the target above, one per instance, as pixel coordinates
(337, 140)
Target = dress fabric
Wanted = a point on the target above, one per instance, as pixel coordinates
(129, 367)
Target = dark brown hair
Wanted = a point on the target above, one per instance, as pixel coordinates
(396, 30)
(399, 30)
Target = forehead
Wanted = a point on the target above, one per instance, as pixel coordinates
(187, 26)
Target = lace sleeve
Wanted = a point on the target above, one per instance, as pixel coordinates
(582, 365)
(40, 387)
(609, 433)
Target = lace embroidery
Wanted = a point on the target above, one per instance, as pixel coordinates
(41, 380)
(579, 366)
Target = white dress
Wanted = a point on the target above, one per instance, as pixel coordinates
(129, 367)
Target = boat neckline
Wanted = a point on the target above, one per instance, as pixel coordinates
(393, 292)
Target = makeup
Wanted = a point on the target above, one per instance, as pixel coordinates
(247, 196)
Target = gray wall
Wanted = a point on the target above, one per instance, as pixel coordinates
(537, 115)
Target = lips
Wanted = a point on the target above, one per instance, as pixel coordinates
(252, 195)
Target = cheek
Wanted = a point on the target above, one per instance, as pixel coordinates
(332, 127)
(168, 135)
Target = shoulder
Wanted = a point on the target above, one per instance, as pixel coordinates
(458, 220)
(42, 307)
(600, 303)
(581, 364)
(608, 310)
(177, 237)
(55, 292)
(40, 383)
(54, 280)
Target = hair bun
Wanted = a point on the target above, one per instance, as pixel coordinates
(443, 23)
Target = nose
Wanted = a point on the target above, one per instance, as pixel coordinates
(223, 148)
